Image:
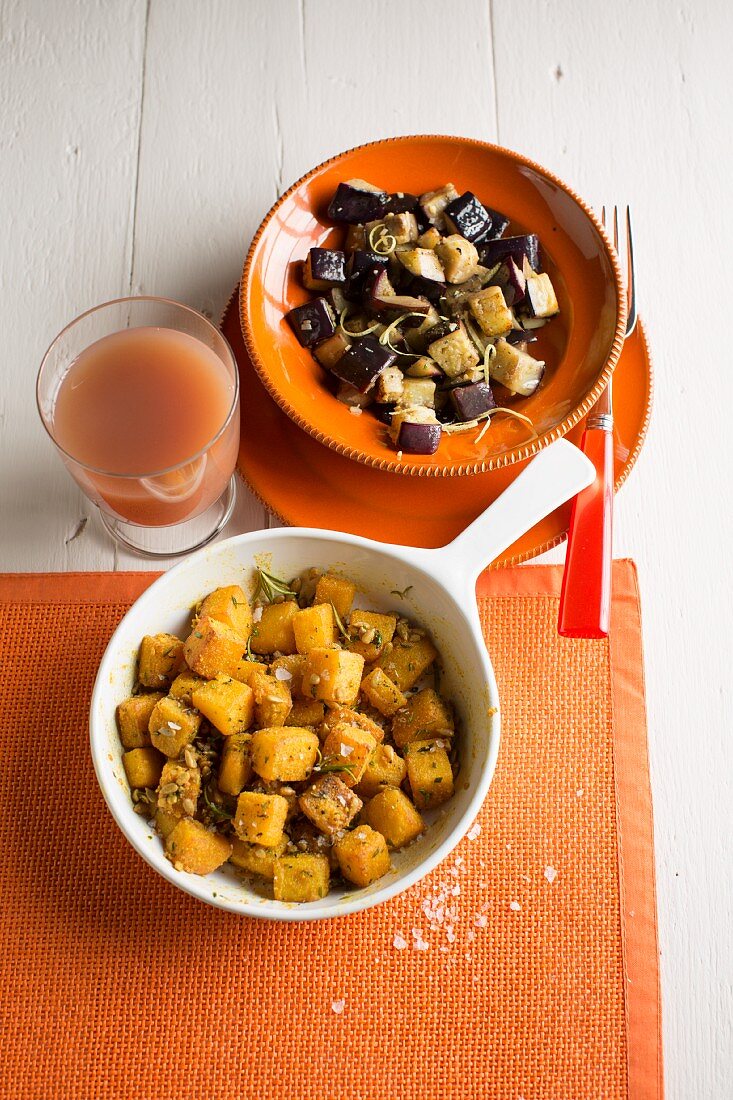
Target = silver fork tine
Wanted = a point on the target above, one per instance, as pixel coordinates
(630, 275)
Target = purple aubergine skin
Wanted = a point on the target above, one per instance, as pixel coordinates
(471, 401)
(401, 203)
(361, 267)
(493, 252)
(360, 365)
(328, 265)
(420, 287)
(499, 224)
(528, 301)
(418, 439)
(517, 336)
(512, 280)
(469, 217)
(354, 207)
(443, 328)
(402, 303)
(312, 322)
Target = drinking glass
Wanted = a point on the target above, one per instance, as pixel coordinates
(160, 512)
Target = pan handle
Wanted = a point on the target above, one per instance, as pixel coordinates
(558, 473)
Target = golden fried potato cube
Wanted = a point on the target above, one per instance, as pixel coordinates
(192, 847)
(235, 765)
(160, 660)
(302, 877)
(143, 767)
(333, 675)
(314, 628)
(352, 747)
(385, 768)
(246, 671)
(393, 815)
(294, 664)
(179, 789)
(329, 804)
(273, 701)
(213, 647)
(370, 632)
(403, 227)
(407, 661)
(429, 773)
(491, 311)
(228, 605)
(306, 712)
(284, 753)
(172, 726)
(362, 855)
(337, 591)
(228, 704)
(455, 353)
(458, 256)
(132, 719)
(382, 693)
(165, 823)
(274, 632)
(424, 713)
(345, 716)
(260, 818)
(183, 685)
(255, 859)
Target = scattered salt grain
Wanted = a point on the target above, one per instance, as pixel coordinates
(346, 750)
(515, 906)
(338, 1007)
(474, 831)
(550, 874)
(283, 674)
(399, 942)
(257, 614)
(354, 410)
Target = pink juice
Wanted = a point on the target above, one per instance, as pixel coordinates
(138, 407)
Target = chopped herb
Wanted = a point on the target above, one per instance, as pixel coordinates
(218, 810)
(403, 594)
(340, 624)
(249, 654)
(271, 586)
(197, 634)
(236, 604)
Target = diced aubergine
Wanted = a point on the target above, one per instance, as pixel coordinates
(360, 267)
(518, 336)
(377, 288)
(512, 281)
(403, 303)
(324, 268)
(499, 223)
(516, 369)
(330, 351)
(471, 401)
(540, 297)
(349, 395)
(424, 367)
(357, 201)
(363, 362)
(389, 386)
(493, 252)
(433, 204)
(468, 216)
(431, 289)
(423, 263)
(312, 322)
(416, 431)
(338, 299)
(401, 202)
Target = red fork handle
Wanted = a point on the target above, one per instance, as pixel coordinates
(585, 601)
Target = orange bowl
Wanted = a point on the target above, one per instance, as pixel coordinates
(581, 345)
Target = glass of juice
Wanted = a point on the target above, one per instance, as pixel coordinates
(141, 399)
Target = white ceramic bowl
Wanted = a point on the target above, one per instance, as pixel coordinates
(441, 596)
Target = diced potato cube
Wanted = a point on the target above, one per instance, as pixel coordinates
(229, 605)
(185, 683)
(430, 238)
(370, 632)
(407, 661)
(273, 701)
(132, 719)
(160, 660)
(429, 773)
(165, 823)
(247, 671)
(235, 767)
(329, 804)
(314, 628)
(491, 311)
(393, 815)
(274, 632)
(382, 693)
(363, 855)
(302, 877)
(403, 227)
(255, 859)
(424, 714)
(284, 753)
(179, 789)
(143, 767)
(385, 768)
(458, 256)
(172, 726)
(351, 747)
(435, 202)
(422, 262)
(213, 647)
(227, 704)
(454, 353)
(336, 591)
(294, 663)
(260, 818)
(192, 847)
(329, 351)
(333, 675)
(345, 716)
(306, 712)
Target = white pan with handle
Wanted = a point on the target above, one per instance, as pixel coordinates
(439, 593)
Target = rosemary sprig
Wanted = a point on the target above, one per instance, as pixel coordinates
(326, 764)
(271, 586)
(216, 809)
(340, 624)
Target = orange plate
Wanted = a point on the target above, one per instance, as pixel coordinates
(308, 485)
(580, 346)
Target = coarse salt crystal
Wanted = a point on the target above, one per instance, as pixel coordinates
(515, 906)
(257, 614)
(458, 861)
(355, 410)
(283, 674)
(346, 750)
(399, 942)
(338, 1006)
(173, 726)
(550, 874)
(474, 831)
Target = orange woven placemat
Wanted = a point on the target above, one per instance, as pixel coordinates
(530, 965)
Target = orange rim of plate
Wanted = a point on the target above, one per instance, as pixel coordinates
(393, 464)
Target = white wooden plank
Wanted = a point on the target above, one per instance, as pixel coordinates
(631, 102)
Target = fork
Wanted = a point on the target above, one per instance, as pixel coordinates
(585, 600)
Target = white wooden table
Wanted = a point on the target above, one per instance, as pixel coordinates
(142, 140)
